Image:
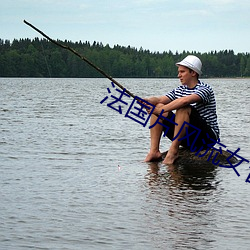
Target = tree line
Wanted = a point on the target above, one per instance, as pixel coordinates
(40, 58)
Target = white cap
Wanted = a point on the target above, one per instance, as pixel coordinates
(191, 62)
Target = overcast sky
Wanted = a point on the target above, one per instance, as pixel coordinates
(157, 25)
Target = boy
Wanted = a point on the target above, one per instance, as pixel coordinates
(195, 106)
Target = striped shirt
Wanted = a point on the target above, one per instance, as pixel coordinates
(206, 108)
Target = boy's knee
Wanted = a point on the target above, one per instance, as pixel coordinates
(159, 105)
(184, 110)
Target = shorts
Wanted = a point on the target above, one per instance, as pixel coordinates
(194, 140)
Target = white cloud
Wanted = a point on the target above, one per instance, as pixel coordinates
(152, 24)
(149, 2)
(221, 2)
(84, 6)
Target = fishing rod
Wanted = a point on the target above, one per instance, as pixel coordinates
(80, 56)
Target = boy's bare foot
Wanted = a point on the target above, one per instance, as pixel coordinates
(153, 156)
(170, 157)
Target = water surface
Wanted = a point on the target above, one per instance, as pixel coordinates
(72, 176)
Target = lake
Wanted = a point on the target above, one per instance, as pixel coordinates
(72, 174)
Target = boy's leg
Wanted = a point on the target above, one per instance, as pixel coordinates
(155, 136)
(181, 116)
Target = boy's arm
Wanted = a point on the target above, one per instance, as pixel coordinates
(158, 100)
(178, 103)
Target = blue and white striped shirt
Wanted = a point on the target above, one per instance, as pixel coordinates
(206, 108)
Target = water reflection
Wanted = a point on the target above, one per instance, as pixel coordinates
(190, 176)
(182, 195)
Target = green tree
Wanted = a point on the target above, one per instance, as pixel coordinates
(247, 69)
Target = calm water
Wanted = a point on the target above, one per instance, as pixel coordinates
(72, 176)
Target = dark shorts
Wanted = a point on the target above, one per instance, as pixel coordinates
(199, 133)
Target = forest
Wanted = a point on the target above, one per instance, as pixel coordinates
(41, 58)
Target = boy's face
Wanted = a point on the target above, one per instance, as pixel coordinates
(185, 75)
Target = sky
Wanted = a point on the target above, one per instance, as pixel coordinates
(155, 25)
